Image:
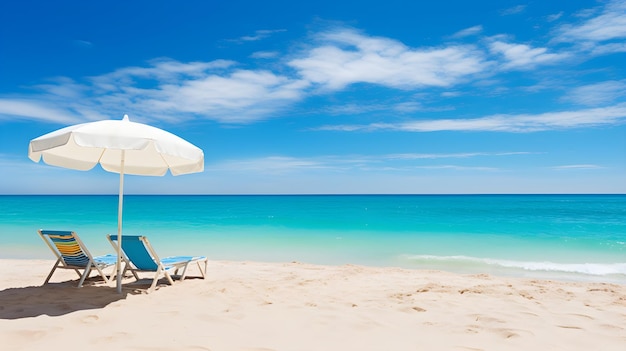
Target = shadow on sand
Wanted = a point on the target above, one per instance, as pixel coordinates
(56, 299)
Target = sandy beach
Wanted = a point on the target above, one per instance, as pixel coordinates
(295, 306)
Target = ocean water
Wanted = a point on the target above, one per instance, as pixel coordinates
(566, 237)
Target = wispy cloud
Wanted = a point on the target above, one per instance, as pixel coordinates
(83, 43)
(355, 109)
(265, 54)
(597, 94)
(475, 30)
(8, 161)
(387, 162)
(460, 168)
(239, 96)
(270, 164)
(605, 49)
(346, 57)
(513, 10)
(454, 155)
(258, 35)
(521, 56)
(523, 123)
(36, 110)
(554, 17)
(577, 167)
(165, 90)
(160, 71)
(609, 25)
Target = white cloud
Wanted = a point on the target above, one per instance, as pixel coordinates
(521, 56)
(9, 161)
(239, 97)
(409, 106)
(513, 10)
(450, 94)
(610, 48)
(270, 164)
(167, 90)
(347, 57)
(597, 94)
(159, 71)
(468, 32)
(259, 35)
(35, 110)
(365, 107)
(83, 43)
(265, 54)
(554, 17)
(384, 162)
(460, 168)
(576, 167)
(454, 155)
(609, 25)
(523, 123)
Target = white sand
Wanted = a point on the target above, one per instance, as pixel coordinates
(299, 307)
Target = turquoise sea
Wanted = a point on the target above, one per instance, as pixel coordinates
(568, 237)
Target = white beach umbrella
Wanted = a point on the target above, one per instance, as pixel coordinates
(119, 146)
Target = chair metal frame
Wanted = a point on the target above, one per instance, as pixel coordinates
(149, 261)
(71, 253)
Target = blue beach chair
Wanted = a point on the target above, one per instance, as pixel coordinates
(71, 253)
(139, 256)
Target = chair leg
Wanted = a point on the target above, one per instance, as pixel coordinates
(101, 272)
(85, 275)
(113, 274)
(182, 277)
(155, 280)
(206, 266)
(168, 276)
(199, 263)
(54, 268)
(128, 267)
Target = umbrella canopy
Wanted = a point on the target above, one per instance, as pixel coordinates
(147, 150)
(119, 146)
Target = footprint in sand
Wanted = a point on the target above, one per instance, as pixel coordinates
(568, 327)
(92, 318)
(581, 315)
(31, 334)
(113, 337)
(511, 333)
(611, 326)
(487, 320)
(472, 329)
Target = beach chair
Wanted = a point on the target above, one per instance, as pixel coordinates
(71, 253)
(139, 256)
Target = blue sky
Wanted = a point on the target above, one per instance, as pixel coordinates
(328, 96)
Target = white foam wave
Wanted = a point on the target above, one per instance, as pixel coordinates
(599, 269)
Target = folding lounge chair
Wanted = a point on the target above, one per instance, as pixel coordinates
(139, 256)
(71, 253)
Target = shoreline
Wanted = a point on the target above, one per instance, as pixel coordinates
(245, 305)
(496, 272)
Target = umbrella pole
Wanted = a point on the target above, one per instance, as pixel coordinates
(119, 225)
